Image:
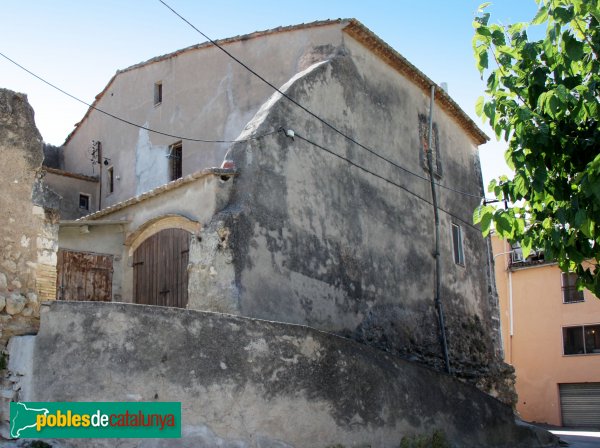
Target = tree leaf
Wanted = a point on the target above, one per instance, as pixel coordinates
(573, 47)
(544, 99)
(479, 106)
(541, 16)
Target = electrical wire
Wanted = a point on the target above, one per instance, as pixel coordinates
(177, 137)
(235, 141)
(389, 181)
(305, 109)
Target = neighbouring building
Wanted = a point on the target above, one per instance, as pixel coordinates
(294, 226)
(551, 335)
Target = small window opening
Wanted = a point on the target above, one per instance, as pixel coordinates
(84, 201)
(569, 288)
(457, 243)
(110, 172)
(175, 159)
(158, 93)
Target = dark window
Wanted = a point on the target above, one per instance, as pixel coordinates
(110, 172)
(175, 157)
(158, 93)
(424, 145)
(581, 340)
(84, 201)
(457, 243)
(569, 287)
(592, 338)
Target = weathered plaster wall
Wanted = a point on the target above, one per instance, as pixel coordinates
(106, 239)
(69, 188)
(29, 222)
(206, 95)
(151, 163)
(250, 383)
(194, 199)
(318, 242)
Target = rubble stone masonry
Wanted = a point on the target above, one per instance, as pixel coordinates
(28, 236)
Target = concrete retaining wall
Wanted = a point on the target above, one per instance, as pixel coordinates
(252, 383)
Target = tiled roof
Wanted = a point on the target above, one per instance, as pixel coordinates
(356, 30)
(159, 190)
(69, 174)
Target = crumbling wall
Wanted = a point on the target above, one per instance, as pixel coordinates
(318, 241)
(250, 383)
(29, 223)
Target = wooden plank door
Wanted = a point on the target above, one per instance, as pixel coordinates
(160, 274)
(84, 276)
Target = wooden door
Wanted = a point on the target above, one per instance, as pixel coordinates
(84, 276)
(160, 269)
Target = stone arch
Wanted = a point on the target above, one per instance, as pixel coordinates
(155, 225)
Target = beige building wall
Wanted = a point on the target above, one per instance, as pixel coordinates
(70, 187)
(532, 334)
(205, 95)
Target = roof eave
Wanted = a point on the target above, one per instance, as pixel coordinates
(366, 37)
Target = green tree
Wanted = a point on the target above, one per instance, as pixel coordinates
(542, 97)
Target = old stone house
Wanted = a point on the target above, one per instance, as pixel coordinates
(240, 381)
(244, 203)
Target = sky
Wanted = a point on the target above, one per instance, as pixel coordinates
(78, 45)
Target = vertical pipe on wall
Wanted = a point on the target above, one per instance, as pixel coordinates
(510, 313)
(438, 276)
(100, 176)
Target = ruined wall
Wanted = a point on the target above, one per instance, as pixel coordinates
(250, 383)
(317, 241)
(28, 241)
(29, 226)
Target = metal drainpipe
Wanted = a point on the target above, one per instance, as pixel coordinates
(438, 276)
(510, 306)
(100, 176)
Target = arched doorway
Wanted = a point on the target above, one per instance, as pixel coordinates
(160, 269)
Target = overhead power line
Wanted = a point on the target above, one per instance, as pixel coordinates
(91, 106)
(308, 111)
(389, 181)
(233, 141)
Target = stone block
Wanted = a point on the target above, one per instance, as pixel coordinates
(32, 297)
(7, 394)
(10, 266)
(5, 431)
(2, 302)
(25, 241)
(3, 281)
(15, 304)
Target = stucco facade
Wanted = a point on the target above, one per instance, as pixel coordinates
(535, 322)
(247, 383)
(310, 230)
(72, 188)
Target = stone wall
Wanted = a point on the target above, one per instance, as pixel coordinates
(250, 383)
(29, 222)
